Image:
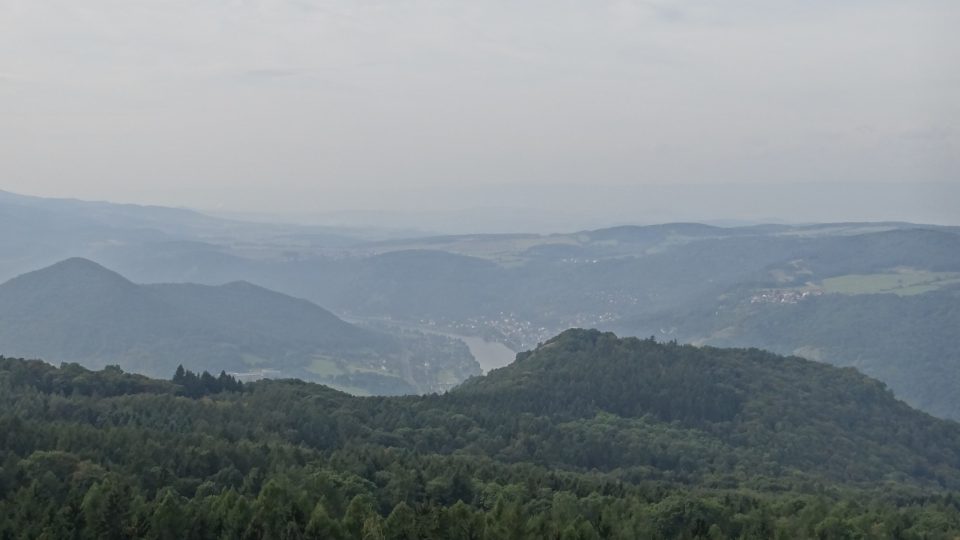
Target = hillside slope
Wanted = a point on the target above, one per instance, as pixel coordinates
(78, 311)
(685, 281)
(588, 436)
(909, 341)
(776, 414)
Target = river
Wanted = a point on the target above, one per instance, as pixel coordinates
(489, 354)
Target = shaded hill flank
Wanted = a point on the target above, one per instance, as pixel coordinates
(78, 311)
(778, 414)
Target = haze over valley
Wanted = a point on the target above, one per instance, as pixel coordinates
(448, 270)
(881, 297)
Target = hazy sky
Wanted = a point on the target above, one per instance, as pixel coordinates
(318, 106)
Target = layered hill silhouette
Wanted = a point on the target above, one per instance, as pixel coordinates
(79, 311)
(884, 296)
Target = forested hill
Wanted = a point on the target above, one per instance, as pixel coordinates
(588, 436)
(79, 311)
(883, 297)
(777, 414)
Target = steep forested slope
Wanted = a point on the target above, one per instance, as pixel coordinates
(779, 414)
(909, 341)
(79, 311)
(589, 436)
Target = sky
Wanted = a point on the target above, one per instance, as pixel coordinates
(402, 108)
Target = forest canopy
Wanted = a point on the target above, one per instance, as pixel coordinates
(588, 436)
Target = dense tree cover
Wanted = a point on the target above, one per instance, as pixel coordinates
(606, 277)
(589, 436)
(684, 281)
(628, 279)
(910, 342)
(79, 311)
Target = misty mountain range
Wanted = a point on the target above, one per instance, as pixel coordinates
(479, 271)
(882, 297)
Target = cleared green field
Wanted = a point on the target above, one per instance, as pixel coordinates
(324, 367)
(903, 282)
(502, 249)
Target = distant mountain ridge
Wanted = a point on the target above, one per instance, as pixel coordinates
(692, 282)
(79, 311)
(37, 232)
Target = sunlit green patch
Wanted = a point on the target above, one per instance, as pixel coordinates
(324, 367)
(904, 282)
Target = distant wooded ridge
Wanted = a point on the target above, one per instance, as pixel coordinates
(882, 297)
